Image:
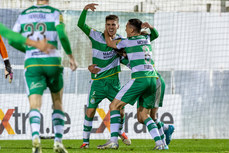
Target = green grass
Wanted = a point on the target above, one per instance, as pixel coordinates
(137, 146)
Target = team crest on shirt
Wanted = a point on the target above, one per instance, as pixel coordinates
(92, 101)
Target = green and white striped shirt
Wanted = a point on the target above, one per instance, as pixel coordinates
(139, 53)
(36, 23)
(105, 57)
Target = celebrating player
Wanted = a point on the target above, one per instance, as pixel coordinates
(40, 22)
(142, 86)
(104, 84)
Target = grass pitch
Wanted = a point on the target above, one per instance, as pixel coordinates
(137, 146)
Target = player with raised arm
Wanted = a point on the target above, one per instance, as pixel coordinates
(42, 70)
(142, 86)
(104, 84)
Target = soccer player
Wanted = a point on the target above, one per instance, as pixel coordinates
(42, 70)
(4, 54)
(142, 86)
(104, 84)
(16, 38)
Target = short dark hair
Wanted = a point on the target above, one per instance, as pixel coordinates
(112, 17)
(137, 24)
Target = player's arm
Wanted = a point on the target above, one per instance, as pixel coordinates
(153, 32)
(66, 44)
(18, 46)
(19, 39)
(4, 54)
(11, 36)
(81, 22)
(110, 43)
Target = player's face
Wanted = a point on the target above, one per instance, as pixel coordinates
(111, 27)
(129, 30)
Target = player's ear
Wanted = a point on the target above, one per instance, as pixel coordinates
(118, 26)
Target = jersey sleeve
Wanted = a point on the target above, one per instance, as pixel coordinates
(11, 36)
(58, 18)
(17, 25)
(3, 50)
(82, 25)
(153, 34)
(121, 44)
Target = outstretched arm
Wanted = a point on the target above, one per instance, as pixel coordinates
(81, 22)
(153, 32)
(19, 39)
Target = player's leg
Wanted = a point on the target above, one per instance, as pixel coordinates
(113, 87)
(34, 120)
(95, 96)
(35, 85)
(153, 115)
(55, 83)
(58, 121)
(115, 123)
(146, 103)
(168, 129)
(144, 117)
(127, 95)
(88, 119)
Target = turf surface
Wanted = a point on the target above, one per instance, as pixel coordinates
(137, 146)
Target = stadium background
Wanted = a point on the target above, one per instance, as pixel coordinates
(191, 54)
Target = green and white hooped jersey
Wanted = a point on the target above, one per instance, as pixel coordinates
(139, 53)
(105, 57)
(36, 23)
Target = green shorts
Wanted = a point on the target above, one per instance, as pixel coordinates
(40, 77)
(101, 89)
(160, 91)
(142, 89)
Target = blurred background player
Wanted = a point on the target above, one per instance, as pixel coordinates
(8, 68)
(16, 38)
(42, 70)
(104, 84)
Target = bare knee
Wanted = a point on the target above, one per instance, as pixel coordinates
(116, 105)
(90, 112)
(35, 101)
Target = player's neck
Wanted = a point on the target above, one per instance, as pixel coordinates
(112, 37)
(42, 2)
(134, 34)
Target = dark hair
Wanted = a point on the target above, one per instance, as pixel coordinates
(137, 24)
(112, 17)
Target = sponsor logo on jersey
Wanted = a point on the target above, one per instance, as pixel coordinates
(109, 54)
(37, 16)
(142, 42)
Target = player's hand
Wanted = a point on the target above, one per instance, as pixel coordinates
(73, 64)
(90, 6)
(8, 70)
(44, 46)
(93, 69)
(146, 25)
